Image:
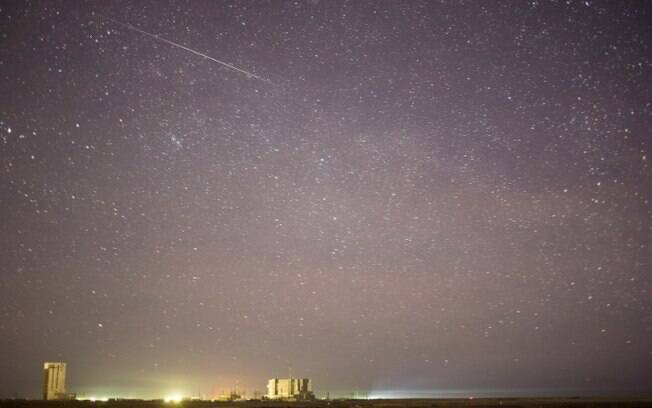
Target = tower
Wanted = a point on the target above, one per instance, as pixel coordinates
(297, 389)
(54, 381)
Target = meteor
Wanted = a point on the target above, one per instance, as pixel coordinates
(183, 47)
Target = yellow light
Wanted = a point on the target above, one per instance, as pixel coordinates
(174, 398)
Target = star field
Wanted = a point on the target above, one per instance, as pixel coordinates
(434, 197)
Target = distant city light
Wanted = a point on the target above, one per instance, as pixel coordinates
(93, 399)
(174, 398)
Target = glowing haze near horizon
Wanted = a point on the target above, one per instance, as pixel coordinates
(438, 196)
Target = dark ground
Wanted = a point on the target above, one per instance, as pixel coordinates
(415, 403)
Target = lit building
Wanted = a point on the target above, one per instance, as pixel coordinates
(290, 388)
(54, 382)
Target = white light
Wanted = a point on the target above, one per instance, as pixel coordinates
(96, 399)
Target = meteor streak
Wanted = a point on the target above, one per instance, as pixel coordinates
(183, 47)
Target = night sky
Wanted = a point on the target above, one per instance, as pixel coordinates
(401, 198)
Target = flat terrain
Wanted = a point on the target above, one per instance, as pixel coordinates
(395, 403)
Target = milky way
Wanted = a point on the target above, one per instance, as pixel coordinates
(438, 198)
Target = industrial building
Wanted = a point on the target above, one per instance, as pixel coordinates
(54, 382)
(299, 389)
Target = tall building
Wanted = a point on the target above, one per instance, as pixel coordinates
(54, 381)
(290, 388)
